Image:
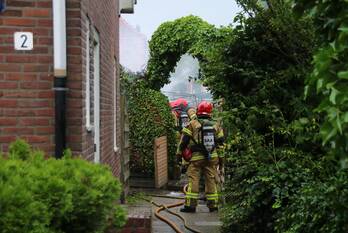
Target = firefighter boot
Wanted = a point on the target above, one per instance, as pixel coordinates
(188, 209)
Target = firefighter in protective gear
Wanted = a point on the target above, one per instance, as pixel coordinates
(203, 136)
(191, 112)
(179, 108)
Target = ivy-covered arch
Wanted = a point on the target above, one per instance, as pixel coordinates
(169, 42)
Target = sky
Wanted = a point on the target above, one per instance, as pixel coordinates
(149, 14)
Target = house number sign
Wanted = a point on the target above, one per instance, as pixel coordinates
(23, 41)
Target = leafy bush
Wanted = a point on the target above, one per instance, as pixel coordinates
(320, 206)
(67, 195)
(20, 150)
(265, 166)
(286, 156)
(149, 117)
(260, 73)
(329, 78)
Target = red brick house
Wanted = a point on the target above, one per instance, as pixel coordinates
(53, 105)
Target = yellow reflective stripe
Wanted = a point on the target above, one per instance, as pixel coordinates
(187, 131)
(193, 116)
(187, 199)
(196, 157)
(212, 195)
(191, 195)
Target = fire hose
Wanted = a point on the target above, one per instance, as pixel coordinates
(162, 207)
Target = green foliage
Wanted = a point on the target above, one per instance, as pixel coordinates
(259, 70)
(286, 154)
(19, 150)
(268, 161)
(67, 195)
(267, 57)
(320, 206)
(134, 198)
(119, 218)
(330, 75)
(149, 117)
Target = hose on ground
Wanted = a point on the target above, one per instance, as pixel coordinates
(162, 207)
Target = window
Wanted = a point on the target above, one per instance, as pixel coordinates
(127, 6)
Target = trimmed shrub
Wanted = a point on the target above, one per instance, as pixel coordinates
(67, 195)
(149, 117)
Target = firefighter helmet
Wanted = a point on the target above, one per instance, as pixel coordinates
(204, 108)
(182, 104)
(179, 104)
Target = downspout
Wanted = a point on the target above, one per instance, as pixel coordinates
(60, 73)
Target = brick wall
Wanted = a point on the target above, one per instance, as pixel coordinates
(26, 96)
(26, 78)
(103, 16)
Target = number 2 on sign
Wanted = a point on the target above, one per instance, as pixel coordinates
(23, 40)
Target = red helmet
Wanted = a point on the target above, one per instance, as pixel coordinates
(204, 108)
(182, 103)
(179, 104)
(172, 104)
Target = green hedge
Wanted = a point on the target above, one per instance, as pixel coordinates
(40, 195)
(149, 117)
(320, 206)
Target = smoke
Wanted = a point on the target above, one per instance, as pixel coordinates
(183, 82)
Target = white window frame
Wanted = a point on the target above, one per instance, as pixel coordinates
(96, 85)
(116, 149)
(89, 126)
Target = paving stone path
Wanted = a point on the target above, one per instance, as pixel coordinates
(202, 220)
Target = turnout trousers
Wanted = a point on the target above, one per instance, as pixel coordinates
(208, 168)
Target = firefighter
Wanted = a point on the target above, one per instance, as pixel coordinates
(179, 111)
(198, 145)
(191, 112)
(181, 119)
